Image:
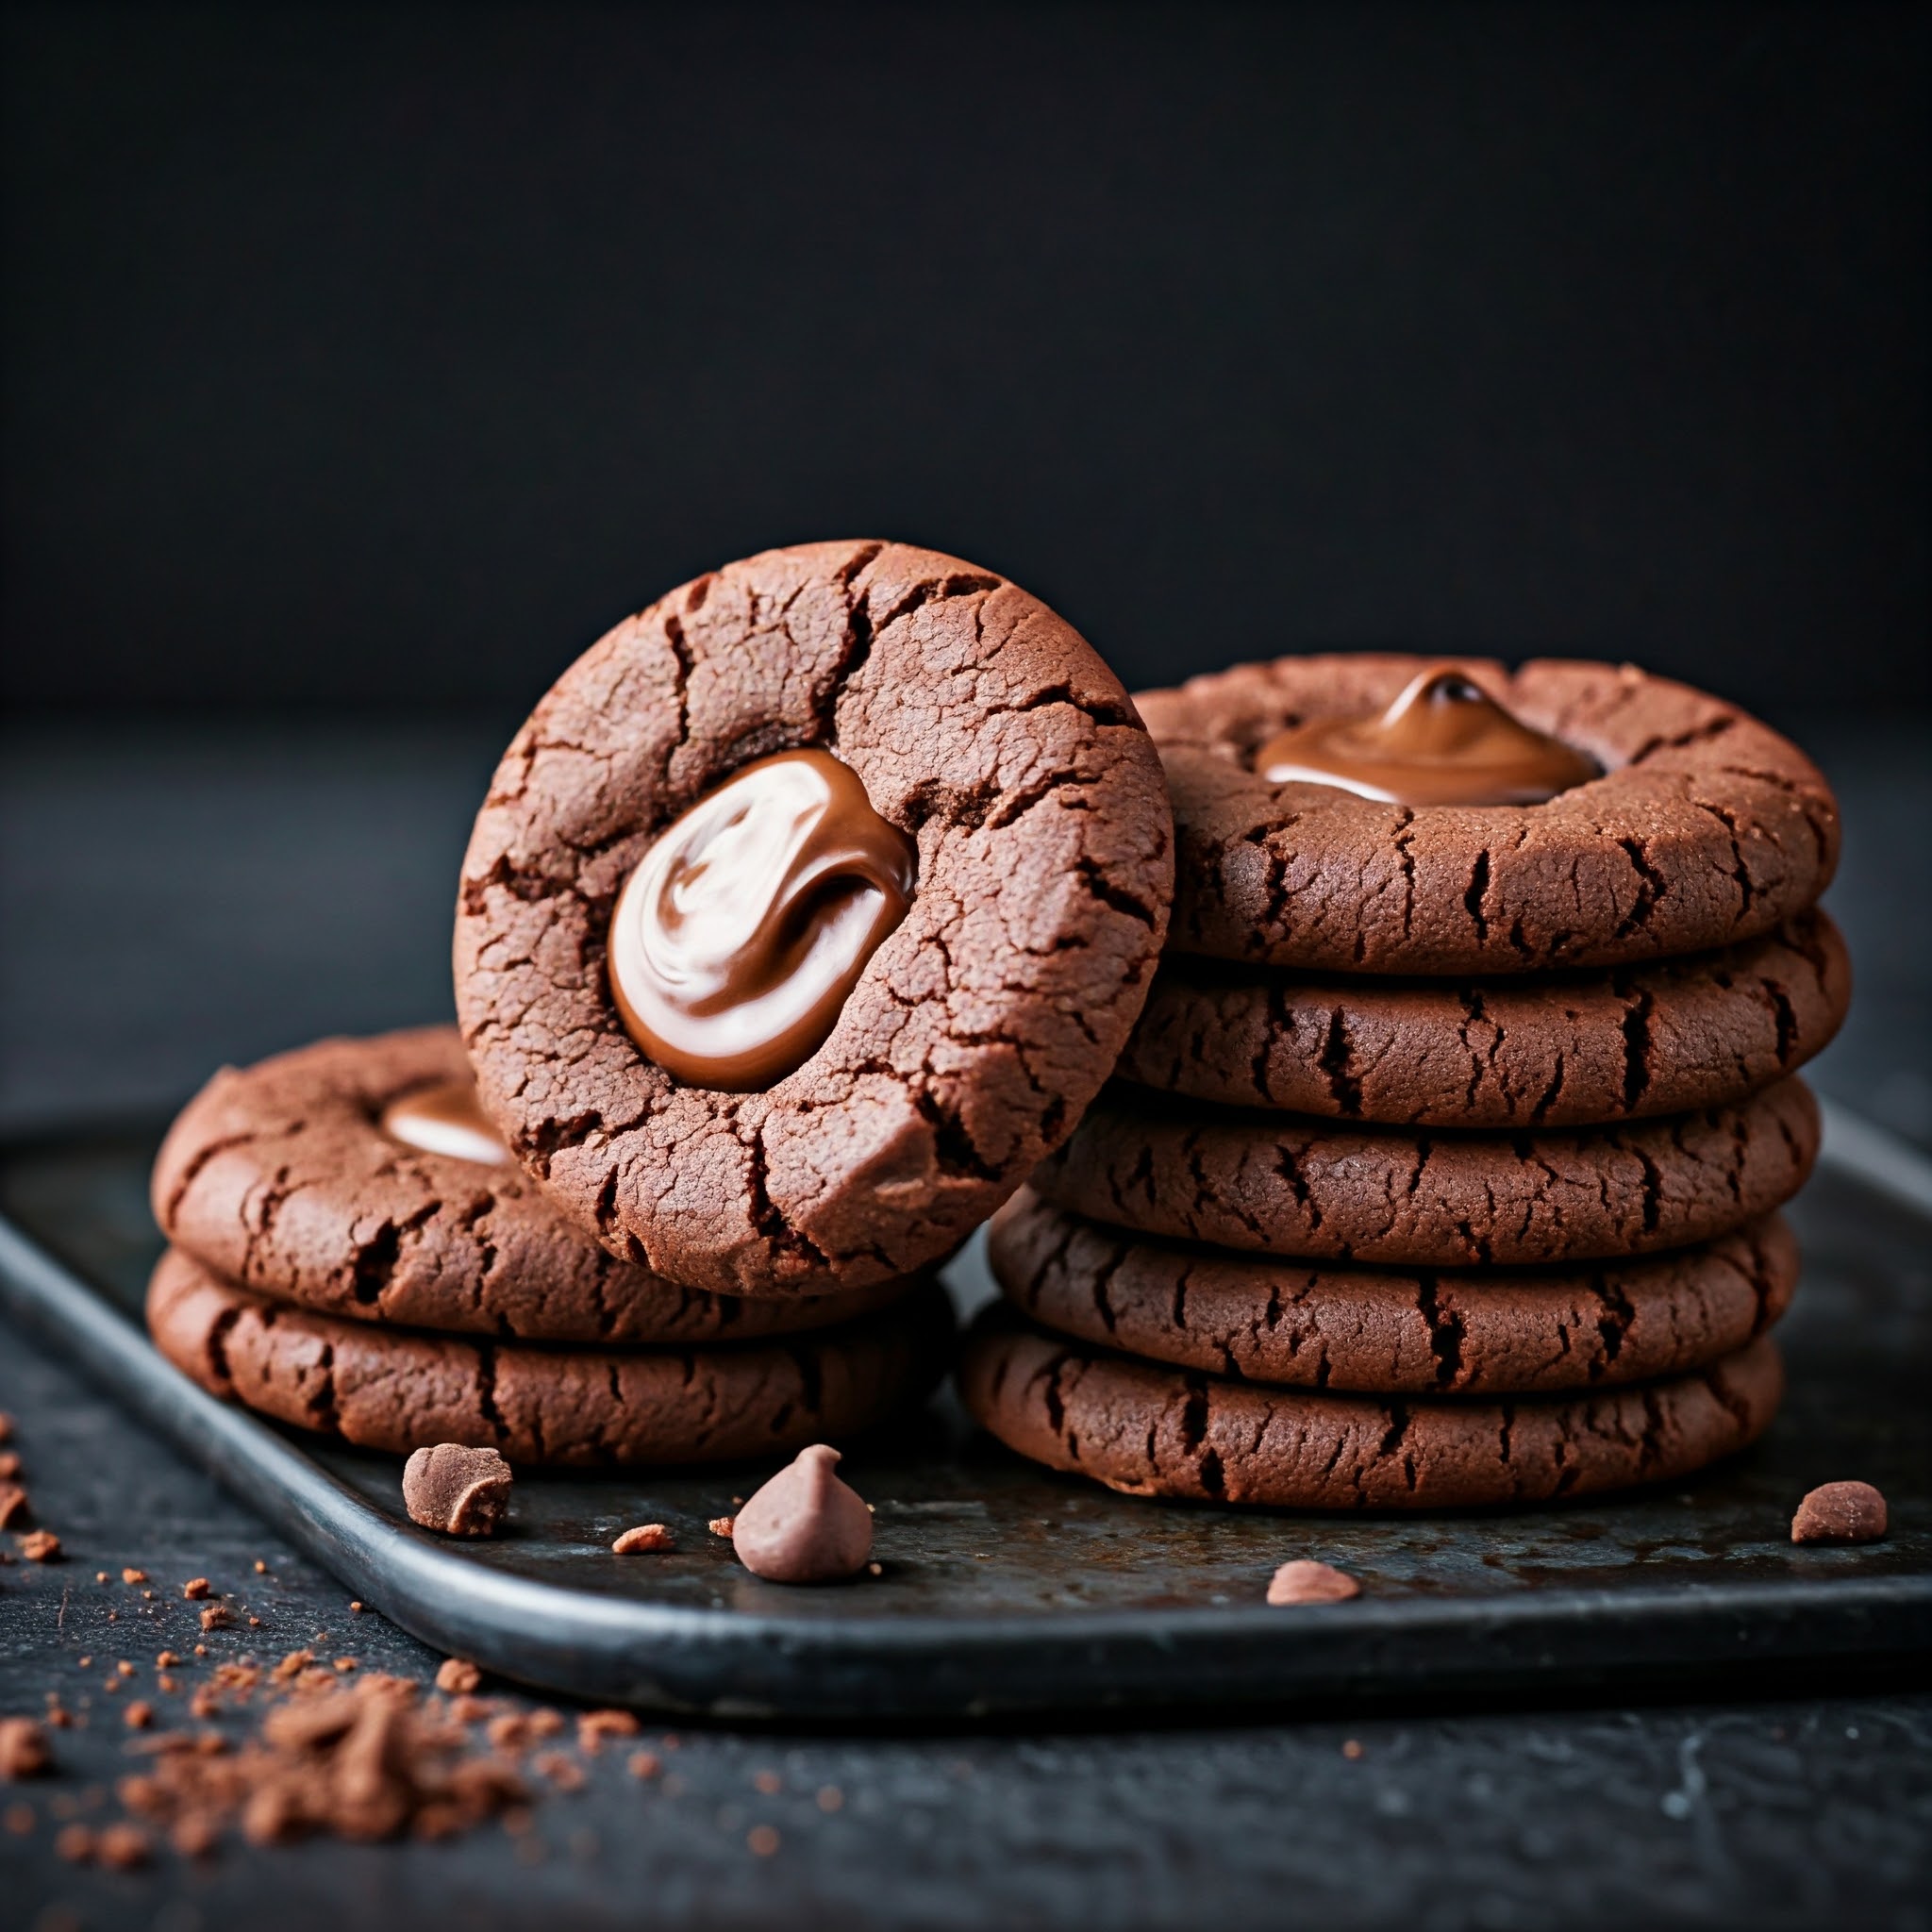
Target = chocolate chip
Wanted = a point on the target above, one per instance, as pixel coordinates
(1840, 1514)
(456, 1489)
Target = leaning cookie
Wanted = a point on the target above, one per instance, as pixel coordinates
(1157, 1431)
(1382, 1331)
(1675, 823)
(359, 1179)
(1273, 1184)
(808, 911)
(400, 1391)
(1577, 1049)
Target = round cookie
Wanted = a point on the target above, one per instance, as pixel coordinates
(399, 1391)
(1579, 1050)
(981, 726)
(1376, 1331)
(280, 1177)
(1157, 1431)
(1705, 828)
(1273, 1184)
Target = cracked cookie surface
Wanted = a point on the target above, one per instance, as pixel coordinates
(1706, 828)
(1275, 1184)
(400, 1391)
(982, 725)
(1159, 1431)
(1581, 1049)
(277, 1176)
(1384, 1331)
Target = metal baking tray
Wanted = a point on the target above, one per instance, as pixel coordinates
(1007, 1588)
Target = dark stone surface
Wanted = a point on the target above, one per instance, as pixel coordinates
(170, 901)
(1779, 1813)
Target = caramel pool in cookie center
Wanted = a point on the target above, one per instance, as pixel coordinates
(737, 940)
(445, 1119)
(1443, 741)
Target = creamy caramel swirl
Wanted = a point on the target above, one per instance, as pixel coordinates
(737, 940)
(1444, 740)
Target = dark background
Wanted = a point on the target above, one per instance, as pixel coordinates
(385, 358)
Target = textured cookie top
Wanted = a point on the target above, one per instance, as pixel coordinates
(984, 728)
(1705, 828)
(279, 1177)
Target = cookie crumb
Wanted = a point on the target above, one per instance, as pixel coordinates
(722, 1525)
(260, 1568)
(357, 1607)
(1352, 1749)
(595, 1725)
(216, 1617)
(14, 1505)
(22, 1748)
(9, 1464)
(1840, 1514)
(831, 1798)
(763, 1840)
(456, 1491)
(646, 1535)
(138, 1715)
(196, 1588)
(769, 1782)
(564, 1773)
(458, 1675)
(643, 1764)
(130, 1574)
(1304, 1582)
(40, 1546)
(75, 1843)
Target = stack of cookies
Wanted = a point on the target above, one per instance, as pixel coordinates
(353, 1251)
(1443, 1166)
(801, 920)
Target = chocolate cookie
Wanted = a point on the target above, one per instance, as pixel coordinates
(399, 1391)
(1273, 1184)
(281, 1176)
(1156, 1431)
(1578, 1050)
(1496, 1332)
(991, 741)
(1705, 828)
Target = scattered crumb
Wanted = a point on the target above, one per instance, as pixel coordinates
(1840, 1514)
(459, 1676)
(1351, 1748)
(345, 1665)
(9, 1464)
(722, 1525)
(138, 1715)
(40, 1546)
(6, 1426)
(646, 1535)
(86, 1662)
(564, 1773)
(216, 1617)
(165, 1660)
(100, 1576)
(595, 1725)
(165, 1684)
(467, 1710)
(357, 1607)
(75, 1843)
(23, 1751)
(456, 1491)
(196, 1588)
(769, 1782)
(763, 1840)
(1303, 1582)
(831, 1798)
(255, 1623)
(875, 1569)
(260, 1568)
(201, 1649)
(132, 1576)
(644, 1764)
(123, 1669)
(14, 1505)
(123, 1847)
